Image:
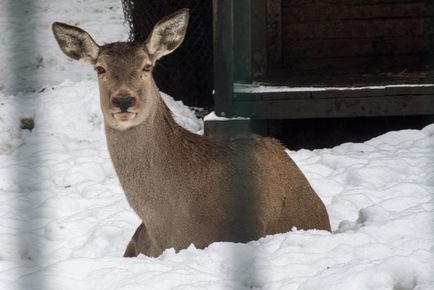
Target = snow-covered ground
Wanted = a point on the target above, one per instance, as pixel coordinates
(29, 54)
(65, 221)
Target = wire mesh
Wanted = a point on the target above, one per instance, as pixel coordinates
(186, 74)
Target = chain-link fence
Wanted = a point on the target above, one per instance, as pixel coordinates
(186, 74)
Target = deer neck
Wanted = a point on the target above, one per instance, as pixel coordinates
(155, 137)
(150, 155)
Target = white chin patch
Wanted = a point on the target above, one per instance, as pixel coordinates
(123, 121)
(124, 117)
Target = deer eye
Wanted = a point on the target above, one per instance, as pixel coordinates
(147, 67)
(99, 70)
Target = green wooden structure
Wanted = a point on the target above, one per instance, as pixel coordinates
(291, 59)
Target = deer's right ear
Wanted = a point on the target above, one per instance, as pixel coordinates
(75, 42)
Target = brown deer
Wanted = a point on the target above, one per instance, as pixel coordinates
(186, 188)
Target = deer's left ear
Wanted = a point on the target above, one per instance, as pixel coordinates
(168, 34)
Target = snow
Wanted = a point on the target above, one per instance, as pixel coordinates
(65, 220)
(213, 117)
(30, 56)
(258, 88)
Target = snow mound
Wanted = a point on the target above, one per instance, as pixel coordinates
(66, 221)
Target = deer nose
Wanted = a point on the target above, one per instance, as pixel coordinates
(123, 103)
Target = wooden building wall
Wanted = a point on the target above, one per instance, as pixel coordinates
(348, 32)
(340, 58)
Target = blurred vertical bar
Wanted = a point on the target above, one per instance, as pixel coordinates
(233, 63)
(24, 82)
(223, 55)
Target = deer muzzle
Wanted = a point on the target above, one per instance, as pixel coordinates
(123, 103)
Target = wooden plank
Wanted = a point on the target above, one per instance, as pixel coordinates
(339, 107)
(235, 127)
(319, 94)
(322, 11)
(247, 97)
(357, 47)
(242, 41)
(283, 95)
(298, 3)
(358, 29)
(274, 34)
(259, 37)
(349, 93)
(326, 64)
(369, 72)
(223, 55)
(400, 91)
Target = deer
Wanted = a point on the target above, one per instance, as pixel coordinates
(187, 188)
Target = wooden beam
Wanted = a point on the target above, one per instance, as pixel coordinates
(259, 37)
(323, 11)
(223, 55)
(337, 107)
(235, 127)
(346, 47)
(348, 2)
(356, 28)
(274, 34)
(242, 40)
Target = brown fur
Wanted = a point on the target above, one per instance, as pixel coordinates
(188, 188)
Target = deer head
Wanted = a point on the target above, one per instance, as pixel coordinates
(128, 94)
